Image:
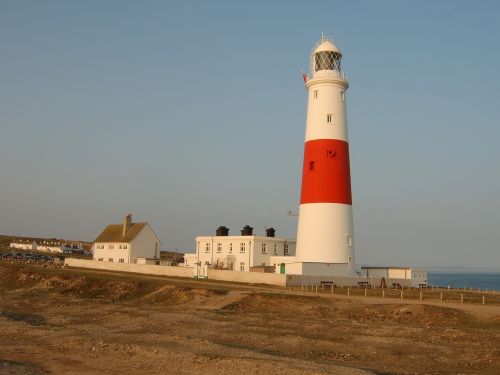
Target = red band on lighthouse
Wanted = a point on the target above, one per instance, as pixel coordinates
(326, 176)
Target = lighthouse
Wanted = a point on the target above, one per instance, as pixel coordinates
(325, 236)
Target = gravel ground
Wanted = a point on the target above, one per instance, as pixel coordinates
(64, 321)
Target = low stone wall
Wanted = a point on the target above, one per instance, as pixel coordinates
(247, 277)
(232, 276)
(131, 267)
(222, 275)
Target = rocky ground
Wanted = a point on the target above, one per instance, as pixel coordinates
(67, 321)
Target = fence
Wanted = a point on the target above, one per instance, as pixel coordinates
(434, 294)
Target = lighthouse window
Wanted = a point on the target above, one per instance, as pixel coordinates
(327, 60)
(315, 94)
(329, 117)
(311, 166)
(348, 240)
(342, 96)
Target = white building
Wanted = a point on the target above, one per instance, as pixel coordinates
(418, 277)
(52, 246)
(24, 245)
(240, 253)
(126, 242)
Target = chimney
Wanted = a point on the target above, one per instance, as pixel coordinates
(127, 223)
(247, 231)
(270, 232)
(222, 231)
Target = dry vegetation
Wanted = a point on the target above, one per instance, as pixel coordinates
(78, 321)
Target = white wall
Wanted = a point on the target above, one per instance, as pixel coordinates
(144, 245)
(247, 277)
(376, 272)
(131, 267)
(190, 260)
(398, 273)
(115, 253)
(312, 269)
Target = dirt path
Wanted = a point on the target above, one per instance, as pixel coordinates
(78, 321)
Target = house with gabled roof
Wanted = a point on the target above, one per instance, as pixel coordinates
(124, 243)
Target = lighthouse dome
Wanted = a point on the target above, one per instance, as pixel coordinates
(327, 46)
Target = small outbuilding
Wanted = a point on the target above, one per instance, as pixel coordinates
(417, 277)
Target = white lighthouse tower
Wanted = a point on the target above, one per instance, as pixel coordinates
(325, 237)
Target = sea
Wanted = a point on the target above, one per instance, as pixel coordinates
(475, 280)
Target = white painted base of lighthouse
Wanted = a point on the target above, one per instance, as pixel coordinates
(325, 233)
(325, 244)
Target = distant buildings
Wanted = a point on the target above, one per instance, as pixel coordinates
(47, 245)
(124, 243)
(247, 252)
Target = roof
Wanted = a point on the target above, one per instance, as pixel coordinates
(326, 45)
(113, 233)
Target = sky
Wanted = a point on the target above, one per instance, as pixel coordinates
(191, 115)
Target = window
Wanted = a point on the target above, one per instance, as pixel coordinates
(286, 248)
(121, 260)
(110, 259)
(125, 246)
(311, 166)
(111, 246)
(348, 239)
(207, 248)
(100, 259)
(263, 248)
(342, 96)
(315, 94)
(242, 266)
(329, 118)
(230, 248)
(275, 250)
(219, 248)
(349, 259)
(242, 247)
